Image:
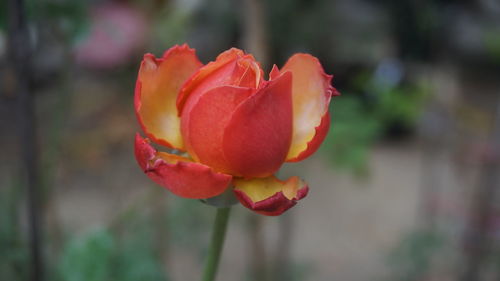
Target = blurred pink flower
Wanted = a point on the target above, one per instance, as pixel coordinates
(116, 32)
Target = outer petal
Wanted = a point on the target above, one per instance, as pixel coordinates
(317, 140)
(231, 68)
(257, 139)
(179, 174)
(311, 92)
(158, 84)
(203, 124)
(270, 196)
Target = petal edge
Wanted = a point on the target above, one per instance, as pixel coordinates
(270, 196)
(316, 141)
(311, 92)
(178, 174)
(257, 138)
(158, 83)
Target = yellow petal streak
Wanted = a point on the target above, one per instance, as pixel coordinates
(171, 158)
(310, 95)
(259, 189)
(160, 84)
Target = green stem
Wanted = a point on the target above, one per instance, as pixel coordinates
(214, 252)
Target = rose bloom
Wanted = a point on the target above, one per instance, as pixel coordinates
(236, 128)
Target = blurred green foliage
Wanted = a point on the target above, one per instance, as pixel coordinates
(402, 104)
(130, 248)
(358, 121)
(170, 29)
(125, 250)
(190, 220)
(70, 16)
(492, 44)
(88, 258)
(126, 254)
(353, 131)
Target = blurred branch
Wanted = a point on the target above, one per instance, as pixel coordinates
(258, 260)
(282, 256)
(434, 130)
(430, 184)
(255, 38)
(255, 42)
(478, 241)
(19, 49)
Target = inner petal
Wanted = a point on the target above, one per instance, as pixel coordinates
(203, 124)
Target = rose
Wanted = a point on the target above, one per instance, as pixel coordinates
(237, 128)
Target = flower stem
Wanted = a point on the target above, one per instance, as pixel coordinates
(214, 252)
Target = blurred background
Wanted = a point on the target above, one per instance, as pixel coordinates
(404, 187)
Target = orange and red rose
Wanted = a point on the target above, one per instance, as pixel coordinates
(236, 128)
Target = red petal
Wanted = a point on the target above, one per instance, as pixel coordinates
(179, 174)
(311, 92)
(158, 84)
(275, 72)
(247, 73)
(203, 124)
(270, 196)
(231, 68)
(257, 138)
(220, 67)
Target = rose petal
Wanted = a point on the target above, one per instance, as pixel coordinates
(231, 68)
(275, 72)
(257, 138)
(221, 68)
(311, 92)
(317, 140)
(158, 84)
(180, 175)
(270, 196)
(248, 73)
(203, 124)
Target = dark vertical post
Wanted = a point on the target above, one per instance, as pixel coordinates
(19, 48)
